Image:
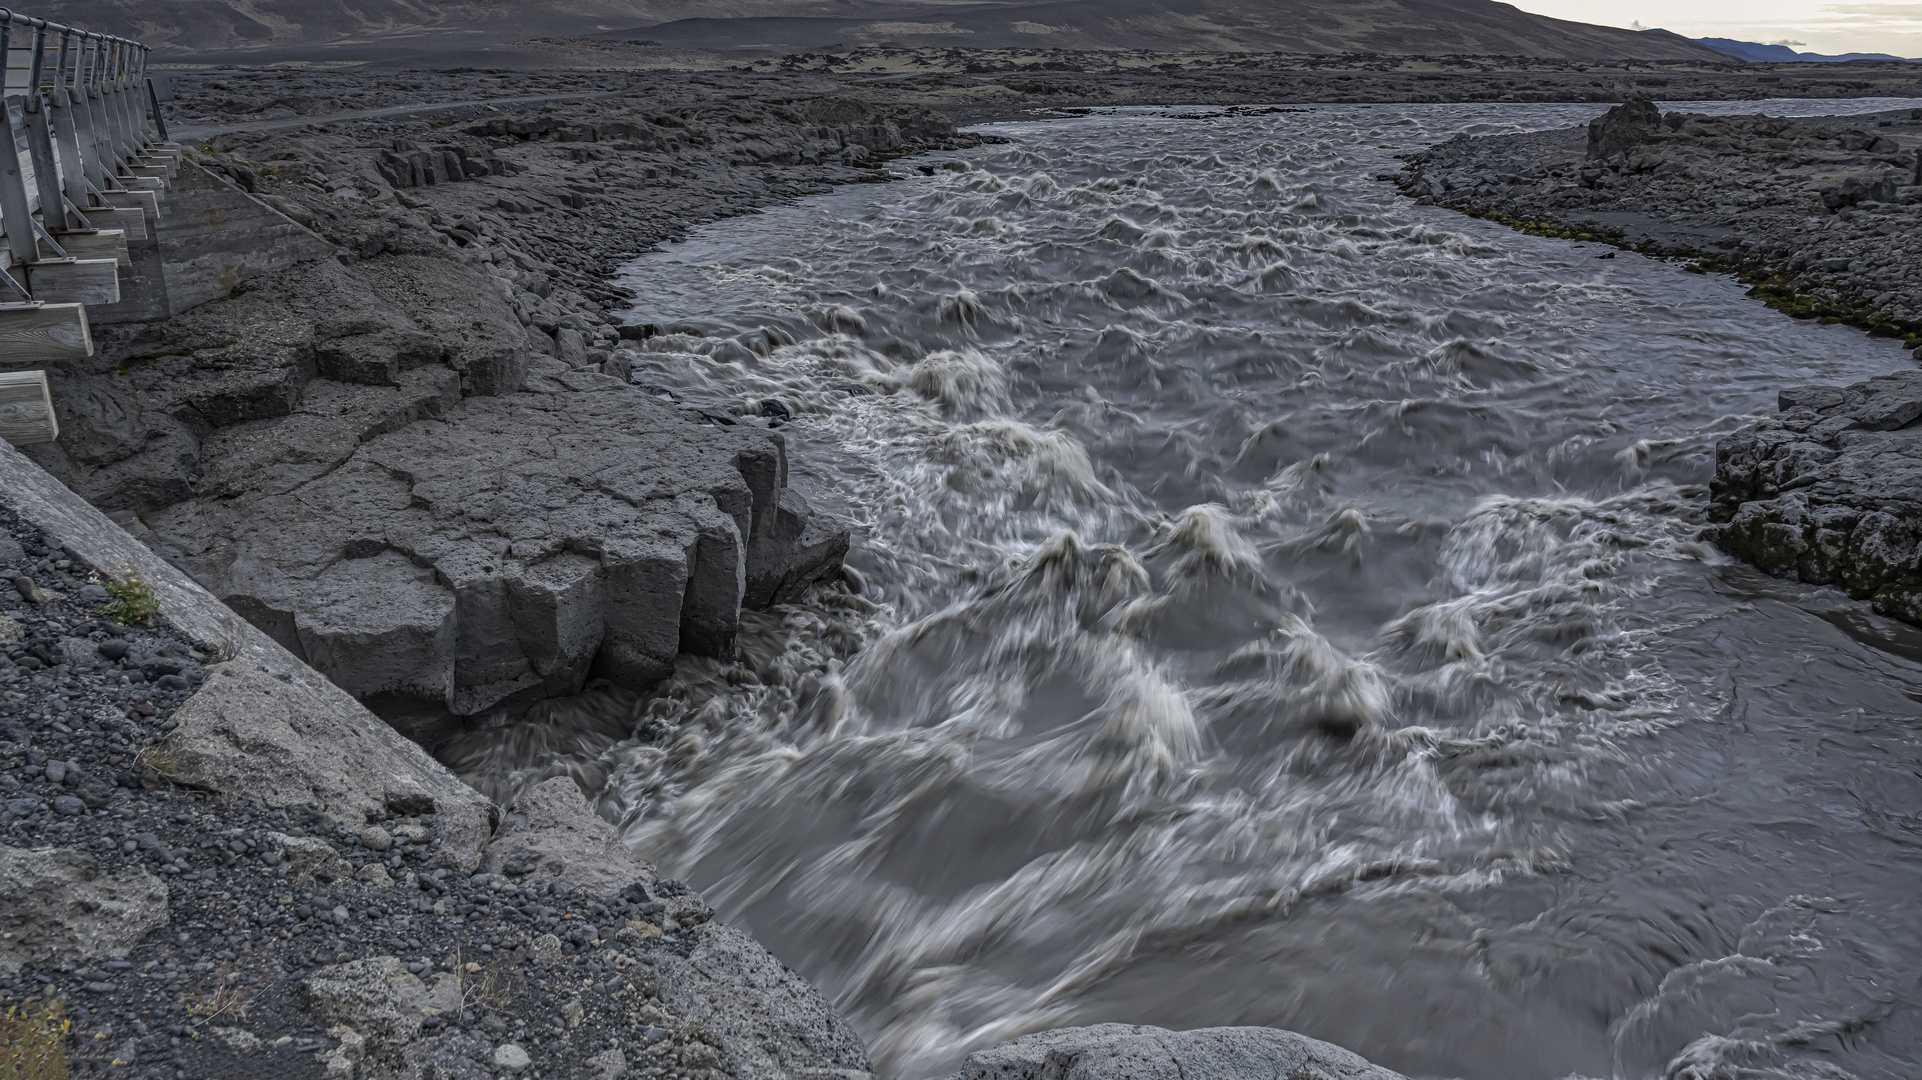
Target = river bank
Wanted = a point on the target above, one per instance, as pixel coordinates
(1817, 214)
(1820, 217)
(273, 441)
(411, 461)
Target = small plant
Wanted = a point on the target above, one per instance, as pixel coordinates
(133, 603)
(223, 1001)
(33, 1042)
(161, 762)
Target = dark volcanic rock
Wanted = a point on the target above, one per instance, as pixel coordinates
(406, 464)
(1621, 128)
(1132, 1052)
(196, 927)
(1818, 214)
(1830, 490)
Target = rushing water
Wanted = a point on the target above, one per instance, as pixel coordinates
(1278, 604)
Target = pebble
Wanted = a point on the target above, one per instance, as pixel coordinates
(511, 1058)
(69, 806)
(375, 838)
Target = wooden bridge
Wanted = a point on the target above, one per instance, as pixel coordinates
(89, 170)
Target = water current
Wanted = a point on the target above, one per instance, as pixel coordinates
(1273, 602)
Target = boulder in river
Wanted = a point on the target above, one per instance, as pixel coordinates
(1829, 490)
(1133, 1052)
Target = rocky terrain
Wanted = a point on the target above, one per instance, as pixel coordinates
(286, 29)
(1134, 1052)
(1830, 491)
(420, 465)
(193, 922)
(1819, 215)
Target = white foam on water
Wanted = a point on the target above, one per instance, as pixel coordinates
(1245, 556)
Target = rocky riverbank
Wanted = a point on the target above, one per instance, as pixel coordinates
(195, 913)
(1818, 215)
(1821, 216)
(1829, 491)
(419, 464)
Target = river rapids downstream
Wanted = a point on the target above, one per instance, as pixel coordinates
(1273, 603)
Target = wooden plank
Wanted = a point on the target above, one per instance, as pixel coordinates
(40, 333)
(74, 281)
(26, 408)
(150, 172)
(128, 220)
(97, 244)
(148, 201)
(138, 183)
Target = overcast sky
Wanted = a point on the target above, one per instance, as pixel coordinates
(1827, 26)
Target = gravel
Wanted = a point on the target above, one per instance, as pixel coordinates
(214, 993)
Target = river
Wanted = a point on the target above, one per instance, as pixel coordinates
(1278, 603)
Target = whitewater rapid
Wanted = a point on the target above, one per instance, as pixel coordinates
(1272, 602)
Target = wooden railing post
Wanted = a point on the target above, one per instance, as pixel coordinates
(15, 209)
(60, 117)
(46, 173)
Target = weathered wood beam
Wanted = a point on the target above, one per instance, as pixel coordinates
(74, 281)
(26, 408)
(96, 244)
(128, 220)
(148, 201)
(42, 333)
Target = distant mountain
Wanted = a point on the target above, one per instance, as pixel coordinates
(1394, 27)
(348, 28)
(1755, 52)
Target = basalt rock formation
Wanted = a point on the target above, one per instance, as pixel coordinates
(238, 852)
(1818, 214)
(1134, 1052)
(1830, 491)
(419, 464)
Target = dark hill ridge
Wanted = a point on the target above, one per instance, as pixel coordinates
(1386, 27)
(355, 29)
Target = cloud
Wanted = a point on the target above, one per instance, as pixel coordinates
(1892, 12)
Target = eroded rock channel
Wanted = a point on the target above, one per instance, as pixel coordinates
(1255, 602)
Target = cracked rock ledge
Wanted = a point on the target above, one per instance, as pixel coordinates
(1829, 491)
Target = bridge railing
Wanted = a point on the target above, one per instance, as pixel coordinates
(85, 174)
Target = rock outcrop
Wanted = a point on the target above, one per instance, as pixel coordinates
(1830, 490)
(503, 552)
(1131, 1052)
(407, 466)
(1817, 214)
(61, 908)
(1622, 128)
(340, 876)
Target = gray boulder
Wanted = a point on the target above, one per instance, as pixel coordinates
(61, 909)
(280, 736)
(1622, 128)
(552, 836)
(1131, 1052)
(767, 1021)
(1829, 491)
(380, 1000)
